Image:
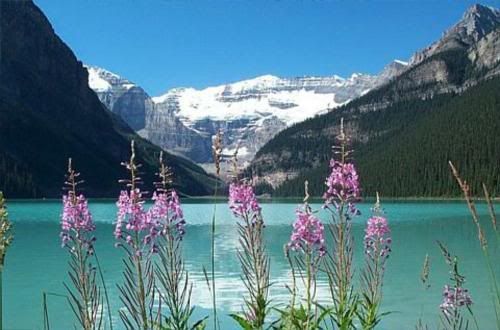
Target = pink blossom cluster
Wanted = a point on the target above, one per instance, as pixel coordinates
(242, 201)
(308, 233)
(342, 185)
(131, 213)
(132, 220)
(167, 213)
(164, 215)
(454, 298)
(377, 237)
(76, 221)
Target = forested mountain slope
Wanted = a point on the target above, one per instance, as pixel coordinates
(444, 106)
(410, 145)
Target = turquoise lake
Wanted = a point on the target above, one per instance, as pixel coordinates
(36, 263)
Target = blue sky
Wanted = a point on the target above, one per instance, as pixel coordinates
(161, 44)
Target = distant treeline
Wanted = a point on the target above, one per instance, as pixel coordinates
(409, 146)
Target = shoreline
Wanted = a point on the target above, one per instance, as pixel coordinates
(269, 199)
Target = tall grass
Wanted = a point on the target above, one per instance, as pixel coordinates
(483, 242)
(217, 158)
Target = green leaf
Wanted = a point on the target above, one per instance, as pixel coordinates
(244, 324)
(200, 324)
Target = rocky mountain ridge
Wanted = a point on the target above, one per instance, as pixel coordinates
(477, 22)
(467, 55)
(121, 96)
(250, 112)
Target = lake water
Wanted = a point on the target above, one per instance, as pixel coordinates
(36, 263)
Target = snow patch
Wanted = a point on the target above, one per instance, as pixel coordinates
(290, 100)
(96, 82)
(401, 62)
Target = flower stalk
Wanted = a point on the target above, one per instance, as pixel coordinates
(170, 271)
(455, 296)
(308, 242)
(252, 253)
(77, 229)
(137, 233)
(217, 157)
(377, 243)
(340, 200)
(425, 280)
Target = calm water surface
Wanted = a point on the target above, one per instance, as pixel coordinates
(36, 263)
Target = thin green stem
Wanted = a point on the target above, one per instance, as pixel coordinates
(308, 289)
(294, 283)
(105, 291)
(495, 285)
(474, 319)
(214, 302)
(46, 323)
(82, 274)
(174, 273)
(141, 293)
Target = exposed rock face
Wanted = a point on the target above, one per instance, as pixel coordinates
(48, 113)
(477, 22)
(391, 71)
(121, 96)
(165, 129)
(467, 53)
(486, 54)
(249, 112)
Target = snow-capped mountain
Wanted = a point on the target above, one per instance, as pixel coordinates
(120, 96)
(250, 112)
(290, 100)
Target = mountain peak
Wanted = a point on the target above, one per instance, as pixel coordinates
(119, 95)
(102, 80)
(479, 10)
(476, 22)
(391, 70)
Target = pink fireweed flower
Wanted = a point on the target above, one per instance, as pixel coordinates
(76, 221)
(132, 217)
(308, 233)
(454, 298)
(167, 215)
(131, 214)
(342, 185)
(242, 201)
(377, 237)
(376, 227)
